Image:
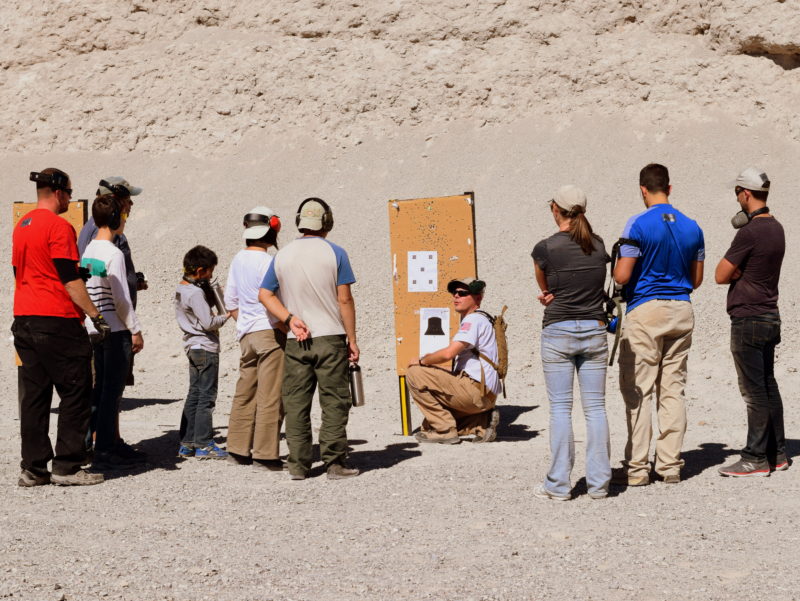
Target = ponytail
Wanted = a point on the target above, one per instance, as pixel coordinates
(580, 230)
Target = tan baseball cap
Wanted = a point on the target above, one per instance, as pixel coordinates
(570, 196)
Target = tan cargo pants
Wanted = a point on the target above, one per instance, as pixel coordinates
(256, 412)
(451, 403)
(654, 350)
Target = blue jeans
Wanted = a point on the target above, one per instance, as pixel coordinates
(753, 342)
(567, 347)
(112, 358)
(196, 421)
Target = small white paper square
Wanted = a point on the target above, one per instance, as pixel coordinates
(423, 271)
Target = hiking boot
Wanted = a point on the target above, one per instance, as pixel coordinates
(237, 459)
(185, 451)
(211, 451)
(745, 468)
(542, 493)
(79, 478)
(340, 471)
(296, 476)
(272, 465)
(782, 464)
(27, 478)
(428, 436)
(620, 477)
(490, 433)
(671, 479)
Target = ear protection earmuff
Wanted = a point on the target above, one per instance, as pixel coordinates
(115, 219)
(327, 216)
(273, 222)
(55, 181)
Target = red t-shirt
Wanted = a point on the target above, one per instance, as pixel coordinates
(39, 237)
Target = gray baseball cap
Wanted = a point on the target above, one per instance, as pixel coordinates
(569, 196)
(753, 178)
(115, 181)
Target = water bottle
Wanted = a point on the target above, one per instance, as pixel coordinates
(356, 385)
(219, 299)
(612, 325)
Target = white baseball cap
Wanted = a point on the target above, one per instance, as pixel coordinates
(259, 221)
(753, 178)
(570, 196)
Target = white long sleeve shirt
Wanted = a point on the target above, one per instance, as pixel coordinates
(108, 286)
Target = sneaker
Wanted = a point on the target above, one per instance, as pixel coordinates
(296, 476)
(79, 478)
(432, 437)
(211, 451)
(745, 468)
(340, 471)
(782, 464)
(272, 465)
(620, 477)
(185, 451)
(542, 493)
(490, 433)
(598, 495)
(27, 478)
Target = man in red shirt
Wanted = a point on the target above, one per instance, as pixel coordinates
(50, 300)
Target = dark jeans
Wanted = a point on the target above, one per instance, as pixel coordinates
(196, 421)
(112, 358)
(316, 363)
(55, 352)
(753, 342)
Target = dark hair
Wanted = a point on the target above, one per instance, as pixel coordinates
(760, 194)
(580, 230)
(655, 178)
(51, 171)
(102, 209)
(198, 257)
(271, 238)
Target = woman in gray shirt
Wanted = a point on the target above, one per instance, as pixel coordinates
(570, 269)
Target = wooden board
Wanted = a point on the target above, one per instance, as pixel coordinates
(424, 232)
(76, 214)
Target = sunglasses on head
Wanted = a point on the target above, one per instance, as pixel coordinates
(461, 292)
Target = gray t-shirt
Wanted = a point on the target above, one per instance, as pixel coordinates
(576, 280)
(195, 319)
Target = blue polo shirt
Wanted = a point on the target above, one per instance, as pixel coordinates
(668, 243)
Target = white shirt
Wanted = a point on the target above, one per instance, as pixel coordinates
(241, 292)
(108, 286)
(477, 331)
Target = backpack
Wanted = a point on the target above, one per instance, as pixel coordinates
(501, 367)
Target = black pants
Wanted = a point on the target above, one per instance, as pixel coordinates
(55, 352)
(753, 342)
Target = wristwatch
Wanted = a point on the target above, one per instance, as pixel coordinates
(288, 320)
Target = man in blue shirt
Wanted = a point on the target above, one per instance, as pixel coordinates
(661, 263)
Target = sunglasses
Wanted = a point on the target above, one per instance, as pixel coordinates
(461, 292)
(68, 191)
(737, 190)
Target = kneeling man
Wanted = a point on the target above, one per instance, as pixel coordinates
(461, 401)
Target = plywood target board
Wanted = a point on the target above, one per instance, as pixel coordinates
(432, 242)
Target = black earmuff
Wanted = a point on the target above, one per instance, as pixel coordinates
(54, 181)
(274, 222)
(327, 216)
(115, 219)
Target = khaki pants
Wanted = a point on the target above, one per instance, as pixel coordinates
(656, 339)
(256, 411)
(451, 403)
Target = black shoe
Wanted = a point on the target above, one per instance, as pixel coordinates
(272, 465)
(239, 459)
(130, 454)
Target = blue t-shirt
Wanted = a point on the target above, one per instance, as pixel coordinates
(668, 244)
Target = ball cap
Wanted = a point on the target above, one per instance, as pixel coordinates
(753, 178)
(570, 196)
(311, 216)
(256, 222)
(118, 181)
(475, 286)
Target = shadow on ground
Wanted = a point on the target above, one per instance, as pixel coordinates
(511, 431)
(128, 404)
(162, 454)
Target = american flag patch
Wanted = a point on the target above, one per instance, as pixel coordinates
(466, 326)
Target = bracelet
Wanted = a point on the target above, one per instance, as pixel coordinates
(287, 322)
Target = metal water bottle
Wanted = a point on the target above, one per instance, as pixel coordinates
(219, 299)
(356, 385)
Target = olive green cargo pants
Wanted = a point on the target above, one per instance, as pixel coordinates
(316, 363)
